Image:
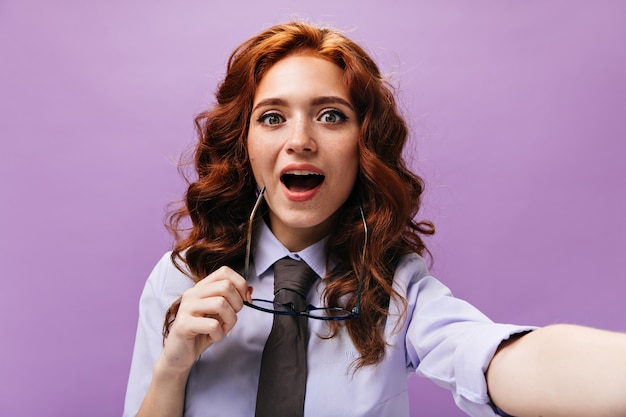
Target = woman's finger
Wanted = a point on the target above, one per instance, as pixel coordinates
(226, 273)
(218, 308)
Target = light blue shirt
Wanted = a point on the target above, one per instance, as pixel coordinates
(442, 338)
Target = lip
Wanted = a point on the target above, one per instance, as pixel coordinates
(302, 195)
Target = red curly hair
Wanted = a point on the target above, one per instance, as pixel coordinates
(219, 201)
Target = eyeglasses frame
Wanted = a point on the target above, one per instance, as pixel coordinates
(352, 314)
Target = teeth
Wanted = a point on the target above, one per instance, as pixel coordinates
(301, 172)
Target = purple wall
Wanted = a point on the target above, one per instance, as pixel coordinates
(518, 109)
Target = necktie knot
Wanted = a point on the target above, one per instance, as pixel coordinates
(293, 275)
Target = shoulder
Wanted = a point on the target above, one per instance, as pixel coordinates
(410, 270)
(413, 281)
(412, 266)
(167, 281)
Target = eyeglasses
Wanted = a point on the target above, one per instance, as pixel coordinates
(320, 313)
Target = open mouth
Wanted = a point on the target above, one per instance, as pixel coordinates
(301, 181)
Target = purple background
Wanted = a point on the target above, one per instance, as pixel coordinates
(518, 112)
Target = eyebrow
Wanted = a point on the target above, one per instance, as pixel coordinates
(316, 102)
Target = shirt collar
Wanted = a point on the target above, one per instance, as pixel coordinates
(268, 249)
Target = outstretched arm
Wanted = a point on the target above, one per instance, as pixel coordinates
(561, 370)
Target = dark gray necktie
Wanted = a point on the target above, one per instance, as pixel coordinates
(282, 381)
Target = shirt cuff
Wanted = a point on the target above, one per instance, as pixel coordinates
(473, 359)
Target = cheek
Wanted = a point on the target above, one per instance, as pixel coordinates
(259, 159)
(349, 169)
(351, 156)
(253, 155)
(256, 171)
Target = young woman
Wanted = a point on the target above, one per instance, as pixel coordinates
(301, 158)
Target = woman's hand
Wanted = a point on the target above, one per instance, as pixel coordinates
(208, 311)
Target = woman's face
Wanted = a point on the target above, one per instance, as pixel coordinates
(303, 146)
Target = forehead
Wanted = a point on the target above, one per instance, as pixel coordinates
(301, 76)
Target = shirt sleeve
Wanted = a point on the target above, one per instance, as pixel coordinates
(448, 340)
(163, 287)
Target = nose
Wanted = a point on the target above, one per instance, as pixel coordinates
(301, 137)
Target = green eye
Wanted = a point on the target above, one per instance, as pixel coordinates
(332, 116)
(271, 119)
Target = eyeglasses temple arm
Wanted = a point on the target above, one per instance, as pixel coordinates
(362, 272)
(249, 236)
